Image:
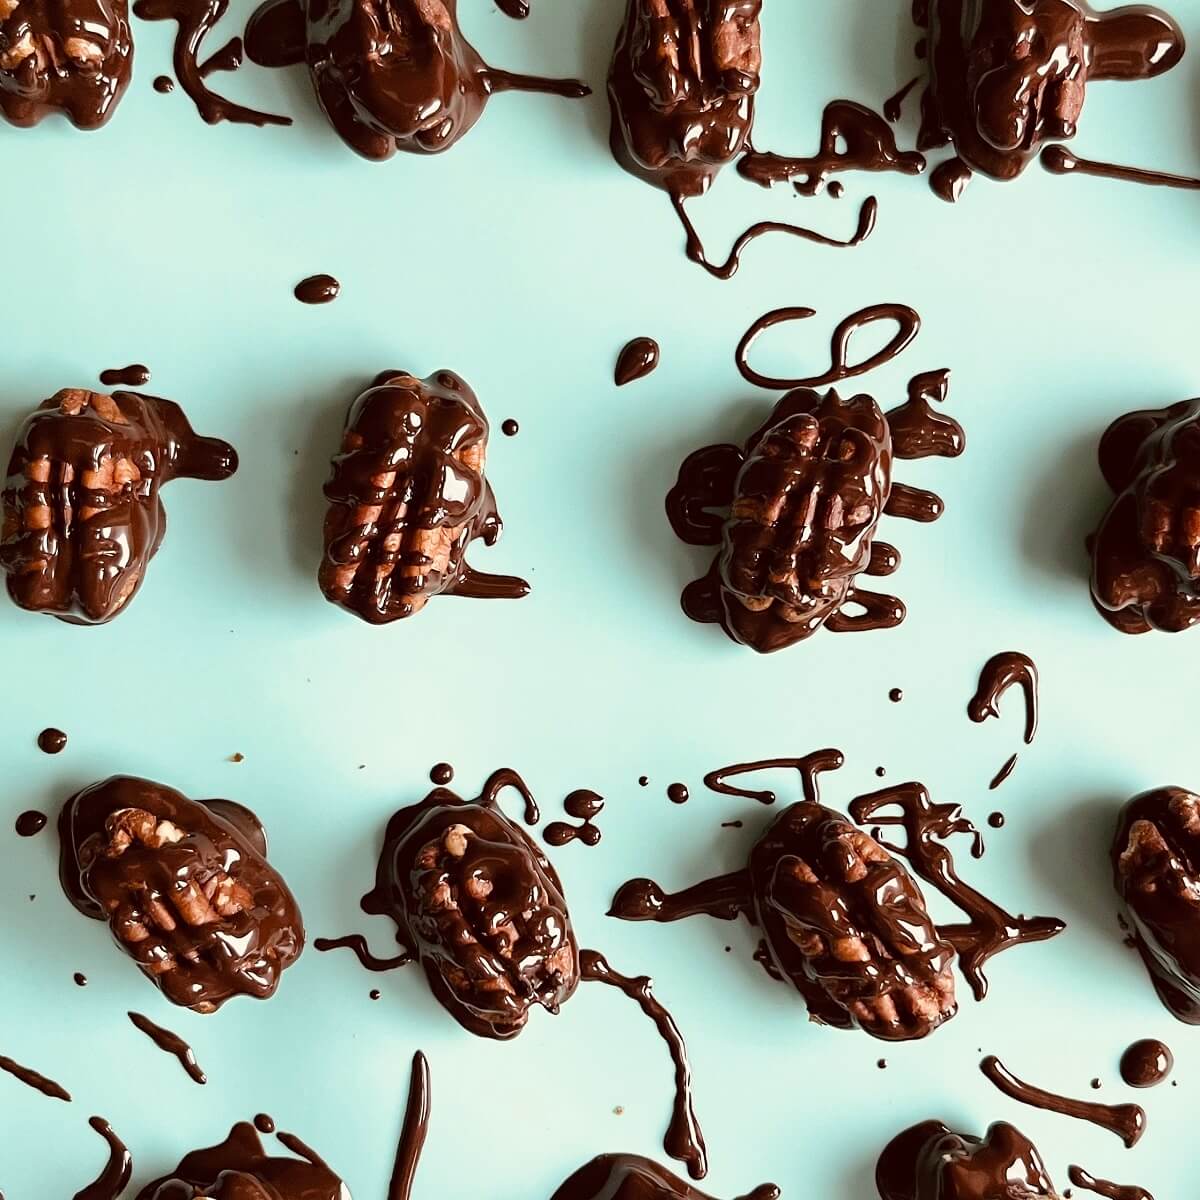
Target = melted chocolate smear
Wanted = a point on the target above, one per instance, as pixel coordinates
(908, 325)
(918, 430)
(196, 19)
(636, 360)
(999, 673)
(52, 741)
(1146, 1063)
(164, 85)
(442, 774)
(358, 943)
(867, 215)
(678, 793)
(1104, 1187)
(30, 823)
(1060, 161)
(893, 105)
(1127, 1121)
(684, 1140)
(718, 781)
(413, 1132)
(989, 928)
(275, 35)
(172, 1043)
(80, 979)
(853, 138)
(950, 179)
(264, 1124)
(996, 820)
(228, 58)
(134, 375)
(1005, 771)
(510, 428)
(113, 1180)
(317, 289)
(32, 1079)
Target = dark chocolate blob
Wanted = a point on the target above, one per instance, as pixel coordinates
(317, 289)
(134, 375)
(677, 793)
(164, 85)
(80, 979)
(996, 820)
(52, 741)
(1146, 1063)
(441, 773)
(636, 360)
(1007, 767)
(509, 427)
(30, 823)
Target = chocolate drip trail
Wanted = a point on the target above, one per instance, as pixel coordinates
(413, 1132)
(726, 897)
(134, 375)
(584, 805)
(637, 359)
(1127, 1121)
(1000, 672)
(867, 215)
(196, 20)
(809, 767)
(683, 1140)
(908, 325)
(113, 1180)
(989, 929)
(32, 1079)
(172, 1043)
(1104, 1187)
(517, 9)
(950, 179)
(853, 138)
(1058, 160)
(358, 943)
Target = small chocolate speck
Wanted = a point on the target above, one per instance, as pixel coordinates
(1096, 1084)
(375, 993)
(996, 820)
(510, 428)
(643, 780)
(30, 823)
(882, 1064)
(618, 1110)
(80, 979)
(264, 1124)
(164, 85)
(728, 949)
(880, 772)
(896, 695)
(51, 741)
(441, 773)
(235, 758)
(677, 793)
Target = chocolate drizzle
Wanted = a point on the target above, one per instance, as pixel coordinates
(718, 781)
(1000, 672)
(317, 289)
(1127, 1121)
(584, 806)
(1058, 160)
(413, 1132)
(632, 1177)
(196, 20)
(683, 1140)
(1104, 1187)
(1146, 1063)
(358, 943)
(989, 929)
(637, 359)
(171, 1043)
(32, 1079)
(134, 375)
(115, 1176)
(853, 138)
(30, 823)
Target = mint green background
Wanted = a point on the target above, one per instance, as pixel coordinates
(524, 259)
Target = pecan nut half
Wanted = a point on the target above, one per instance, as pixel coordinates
(931, 1162)
(407, 496)
(185, 888)
(1146, 553)
(1156, 868)
(82, 510)
(1007, 75)
(68, 56)
(846, 924)
(480, 905)
(681, 89)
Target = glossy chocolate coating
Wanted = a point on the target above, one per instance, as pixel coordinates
(185, 887)
(1007, 75)
(480, 905)
(1156, 868)
(407, 497)
(68, 56)
(1146, 553)
(846, 924)
(82, 510)
(632, 1177)
(681, 89)
(931, 1162)
(240, 1169)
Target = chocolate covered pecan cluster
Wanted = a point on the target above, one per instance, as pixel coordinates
(399, 74)
(681, 89)
(407, 496)
(481, 907)
(240, 1169)
(1007, 75)
(82, 510)
(1156, 868)
(185, 887)
(931, 1162)
(68, 56)
(1146, 553)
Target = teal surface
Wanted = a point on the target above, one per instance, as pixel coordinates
(524, 259)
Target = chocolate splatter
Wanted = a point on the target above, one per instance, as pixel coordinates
(52, 741)
(678, 793)
(584, 806)
(30, 823)
(441, 773)
(134, 375)
(164, 85)
(172, 1043)
(636, 360)
(509, 427)
(413, 1131)
(1146, 1063)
